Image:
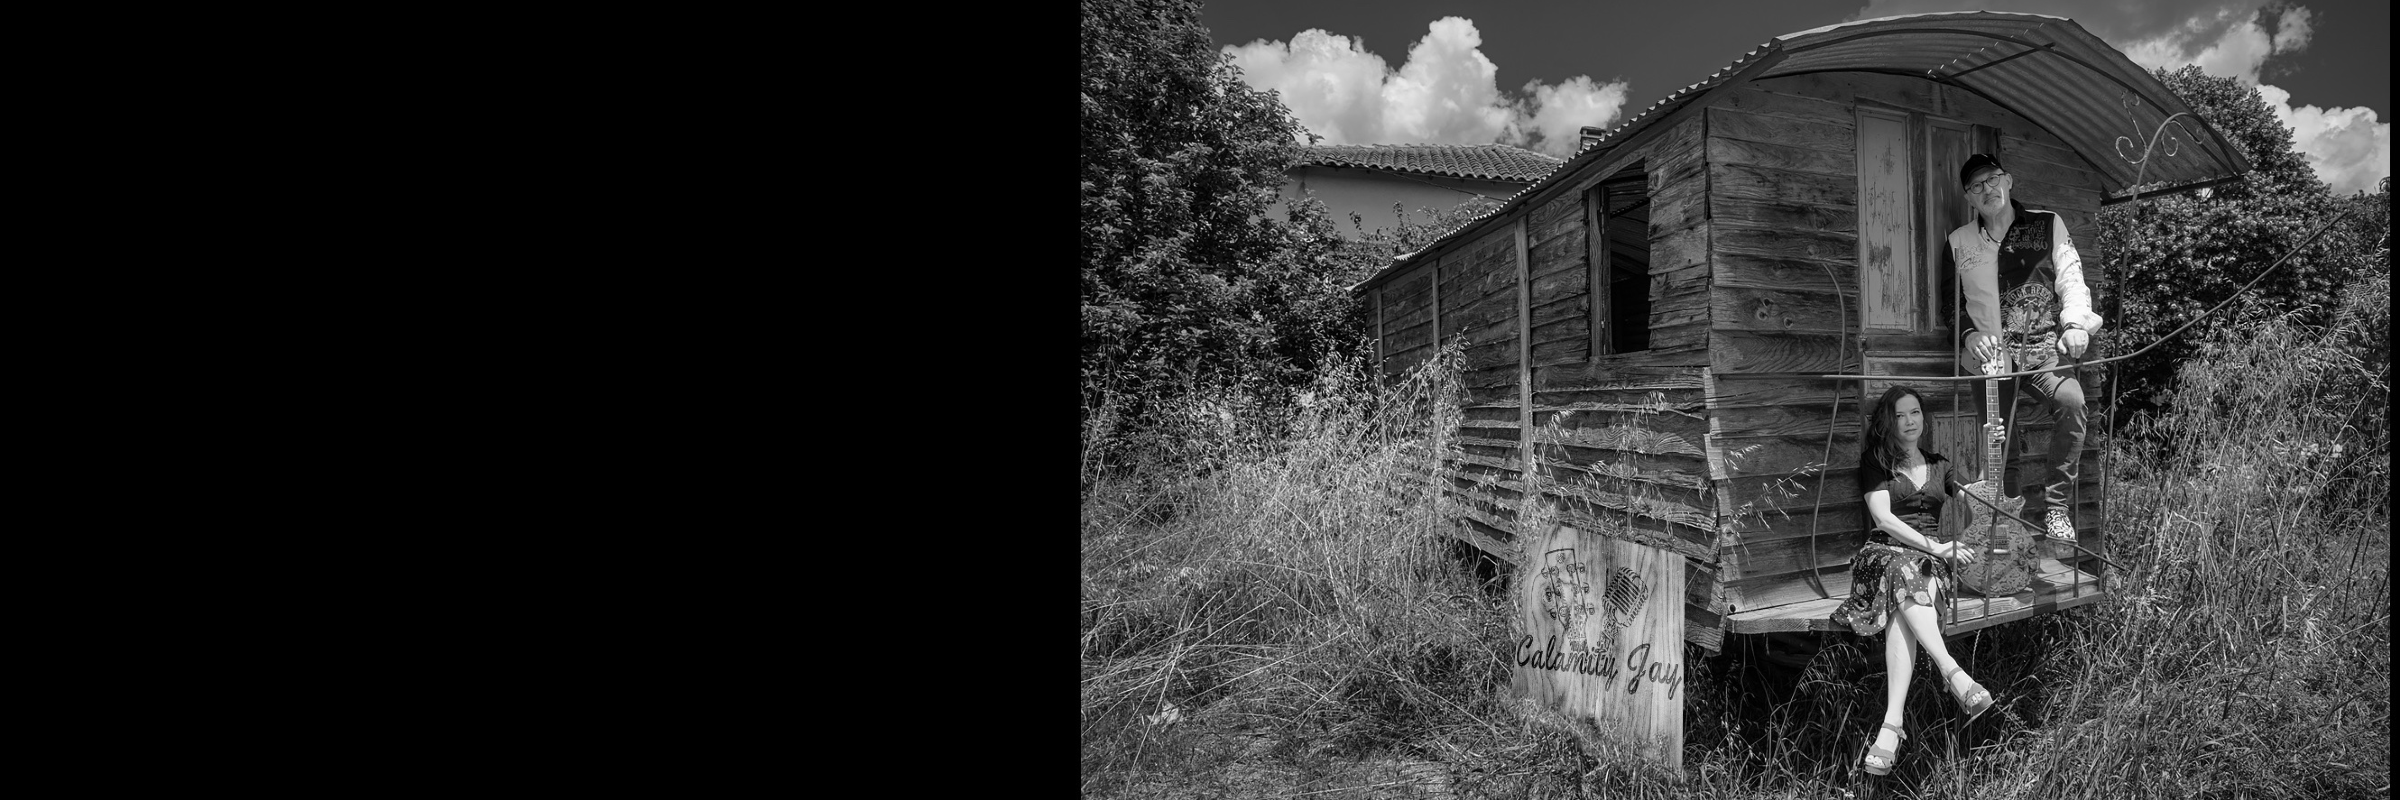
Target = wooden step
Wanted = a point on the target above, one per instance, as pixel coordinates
(2060, 586)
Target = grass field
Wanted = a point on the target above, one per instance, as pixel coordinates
(1271, 608)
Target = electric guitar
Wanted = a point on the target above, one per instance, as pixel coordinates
(2004, 565)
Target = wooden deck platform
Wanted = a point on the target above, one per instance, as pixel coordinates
(2064, 585)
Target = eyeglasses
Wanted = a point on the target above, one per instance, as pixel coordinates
(1986, 185)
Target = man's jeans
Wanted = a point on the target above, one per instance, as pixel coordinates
(2063, 394)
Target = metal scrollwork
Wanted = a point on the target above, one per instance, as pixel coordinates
(2141, 164)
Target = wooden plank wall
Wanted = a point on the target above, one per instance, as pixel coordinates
(1407, 313)
(1618, 439)
(1479, 302)
(1783, 194)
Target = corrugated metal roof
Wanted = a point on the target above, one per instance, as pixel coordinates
(2047, 69)
(1498, 162)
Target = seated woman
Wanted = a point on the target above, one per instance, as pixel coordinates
(1903, 571)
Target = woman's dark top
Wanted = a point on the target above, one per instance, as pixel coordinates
(1914, 506)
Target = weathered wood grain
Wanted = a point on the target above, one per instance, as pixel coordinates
(1549, 217)
(1407, 315)
(1563, 252)
(1835, 515)
(1490, 377)
(1597, 667)
(1409, 338)
(1474, 393)
(1733, 391)
(1821, 145)
(1681, 305)
(1561, 351)
(1689, 283)
(1803, 416)
(1686, 343)
(1828, 551)
(1770, 456)
(1678, 208)
(1782, 216)
(1618, 377)
(1790, 274)
(1559, 285)
(1739, 308)
(1572, 306)
(1619, 407)
(1685, 440)
(1497, 354)
(1782, 156)
(1487, 320)
(1702, 588)
(1784, 186)
(1829, 246)
(1586, 466)
(1776, 590)
(1785, 495)
(1887, 209)
(1642, 520)
(1750, 351)
(1677, 249)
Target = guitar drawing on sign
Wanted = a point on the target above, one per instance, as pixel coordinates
(2002, 567)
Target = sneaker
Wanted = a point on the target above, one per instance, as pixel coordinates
(2060, 528)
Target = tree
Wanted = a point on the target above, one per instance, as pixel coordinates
(2175, 257)
(1187, 283)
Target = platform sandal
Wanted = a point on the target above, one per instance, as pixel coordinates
(1974, 701)
(1879, 761)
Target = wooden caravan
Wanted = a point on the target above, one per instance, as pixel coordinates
(1649, 331)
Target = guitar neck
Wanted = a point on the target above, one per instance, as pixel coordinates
(1994, 442)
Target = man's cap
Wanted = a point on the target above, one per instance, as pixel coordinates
(1978, 161)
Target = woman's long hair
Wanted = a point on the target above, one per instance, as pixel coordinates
(1880, 448)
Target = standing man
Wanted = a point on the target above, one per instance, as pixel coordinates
(2021, 276)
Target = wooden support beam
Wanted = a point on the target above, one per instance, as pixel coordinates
(1524, 358)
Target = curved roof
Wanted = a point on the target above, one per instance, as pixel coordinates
(1498, 162)
(2046, 69)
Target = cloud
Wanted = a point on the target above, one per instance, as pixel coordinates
(2349, 148)
(1554, 116)
(2294, 32)
(1447, 92)
(2229, 43)
(1330, 82)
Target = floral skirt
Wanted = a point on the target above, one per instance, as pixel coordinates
(1881, 575)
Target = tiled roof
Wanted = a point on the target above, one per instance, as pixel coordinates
(1497, 162)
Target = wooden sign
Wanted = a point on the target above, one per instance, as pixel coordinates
(1601, 638)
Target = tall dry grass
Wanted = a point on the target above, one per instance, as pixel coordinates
(1283, 584)
(1275, 611)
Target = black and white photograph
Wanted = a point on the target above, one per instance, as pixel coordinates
(1713, 399)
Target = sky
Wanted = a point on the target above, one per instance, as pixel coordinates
(1533, 74)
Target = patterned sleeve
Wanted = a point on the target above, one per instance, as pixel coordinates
(2075, 301)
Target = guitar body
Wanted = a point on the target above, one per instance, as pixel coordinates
(2003, 567)
(2004, 564)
